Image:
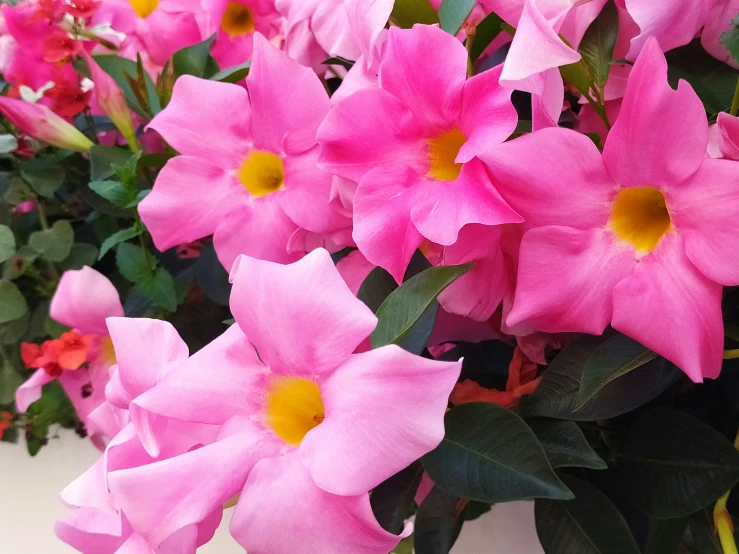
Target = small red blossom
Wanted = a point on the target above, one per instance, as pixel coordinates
(67, 100)
(30, 353)
(73, 350)
(59, 47)
(68, 352)
(6, 419)
(81, 8)
(45, 10)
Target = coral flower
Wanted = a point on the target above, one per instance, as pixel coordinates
(412, 145)
(645, 231)
(248, 173)
(308, 426)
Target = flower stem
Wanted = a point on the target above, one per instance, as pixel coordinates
(42, 215)
(731, 354)
(468, 45)
(722, 519)
(735, 103)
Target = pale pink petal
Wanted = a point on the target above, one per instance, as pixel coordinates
(718, 20)
(73, 383)
(354, 269)
(91, 531)
(89, 490)
(135, 544)
(189, 199)
(288, 101)
(302, 318)
(728, 140)
(553, 177)
(30, 391)
(566, 278)
(281, 507)
(579, 18)
(425, 68)
(661, 134)
(331, 26)
(547, 99)
(367, 19)
(673, 23)
(359, 77)
(164, 33)
(195, 127)
(83, 299)
(667, 285)
(382, 217)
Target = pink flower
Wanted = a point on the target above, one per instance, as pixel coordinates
(248, 174)
(728, 136)
(40, 122)
(310, 427)
(647, 230)
(412, 146)
(83, 299)
(718, 20)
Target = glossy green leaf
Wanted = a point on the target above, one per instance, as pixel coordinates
(82, 254)
(453, 13)
(671, 464)
(485, 32)
(193, 60)
(730, 39)
(103, 158)
(212, 277)
(598, 43)
(125, 73)
(44, 174)
(613, 358)
(126, 171)
(155, 160)
(376, 287)
(664, 535)
(438, 523)
(113, 191)
(404, 307)
(588, 524)
(392, 499)
(117, 238)
(135, 263)
(160, 289)
(489, 454)
(406, 13)
(7, 243)
(55, 243)
(703, 533)
(232, 74)
(565, 444)
(12, 304)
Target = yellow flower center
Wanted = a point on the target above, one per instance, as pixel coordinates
(107, 352)
(262, 173)
(143, 8)
(294, 407)
(237, 20)
(640, 217)
(442, 152)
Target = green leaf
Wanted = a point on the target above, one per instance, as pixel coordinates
(453, 13)
(127, 171)
(487, 30)
(156, 160)
(232, 74)
(565, 444)
(588, 524)
(613, 358)
(730, 39)
(556, 395)
(664, 535)
(13, 331)
(577, 75)
(124, 73)
(392, 499)
(703, 533)
(135, 263)
(671, 464)
(54, 328)
(27, 254)
(404, 307)
(44, 175)
(406, 13)
(116, 238)
(114, 192)
(598, 43)
(338, 60)
(55, 243)
(10, 380)
(82, 255)
(438, 523)
(103, 158)
(193, 60)
(489, 454)
(7, 243)
(212, 277)
(160, 289)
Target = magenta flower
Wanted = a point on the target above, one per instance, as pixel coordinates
(247, 175)
(308, 426)
(645, 231)
(412, 145)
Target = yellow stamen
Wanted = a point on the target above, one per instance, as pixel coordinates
(442, 152)
(640, 217)
(262, 173)
(237, 20)
(294, 407)
(143, 8)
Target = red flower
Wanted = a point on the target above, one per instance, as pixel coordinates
(54, 356)
(67, 100)
(73, 349)
(30, 353)
(59, 47)
(81, 8)
(6, 419)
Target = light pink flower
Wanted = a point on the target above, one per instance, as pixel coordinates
(727, 143)
(311, 427)
(647, 230)
(412, 146)
(247, 174)
(718, 20)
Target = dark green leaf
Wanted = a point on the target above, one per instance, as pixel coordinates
(213, 278)
(565, 444)
(664, 535)
(193, 60)
(13, 331)
(485, 33)
(338, 60)
(596, 47)
(44, 175)
(135, 263)
(438, 523)
(55, 243)
(556, 395)
(232, 74)
(453, 13)
(577, 75)
(82, 254)
(589, 524)
(391, 500)
(489, 454)
(160, 289)
(157, 160)
(376, 287)
(124, 73)
(404, 307)
(7, 243)
(27, 254)
(127, 171)
(474, 509)
(116, 238)
(10, 380)
(55, 329)
(114, 192)
(103, 158)
(703, 533)
(613, 358)
(730, 39)
(406, 13)
(672, 464)
(339, 255)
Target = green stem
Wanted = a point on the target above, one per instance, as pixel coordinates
(735, 103)
(143, 244)
(42, 215)
(722, 518)
(468, 45)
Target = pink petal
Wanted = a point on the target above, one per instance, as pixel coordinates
(189, 199)
(666, 284)
(288, 101)
(367, 19)
(661, 134)
(90, 490)
(728, 142)
(163, 33)
(673, 23)
(281, 507)
(83, 299)
(553, 177)
(718, 20)
(205, 129)
(73, 382)
(425, 68)
(547, 99)
(359, 77)
(302, 318)
(385, 408)
(354, 269)
(566, 278)
(331, 26)
(135, 544)
(382, 216)
(91, 531)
